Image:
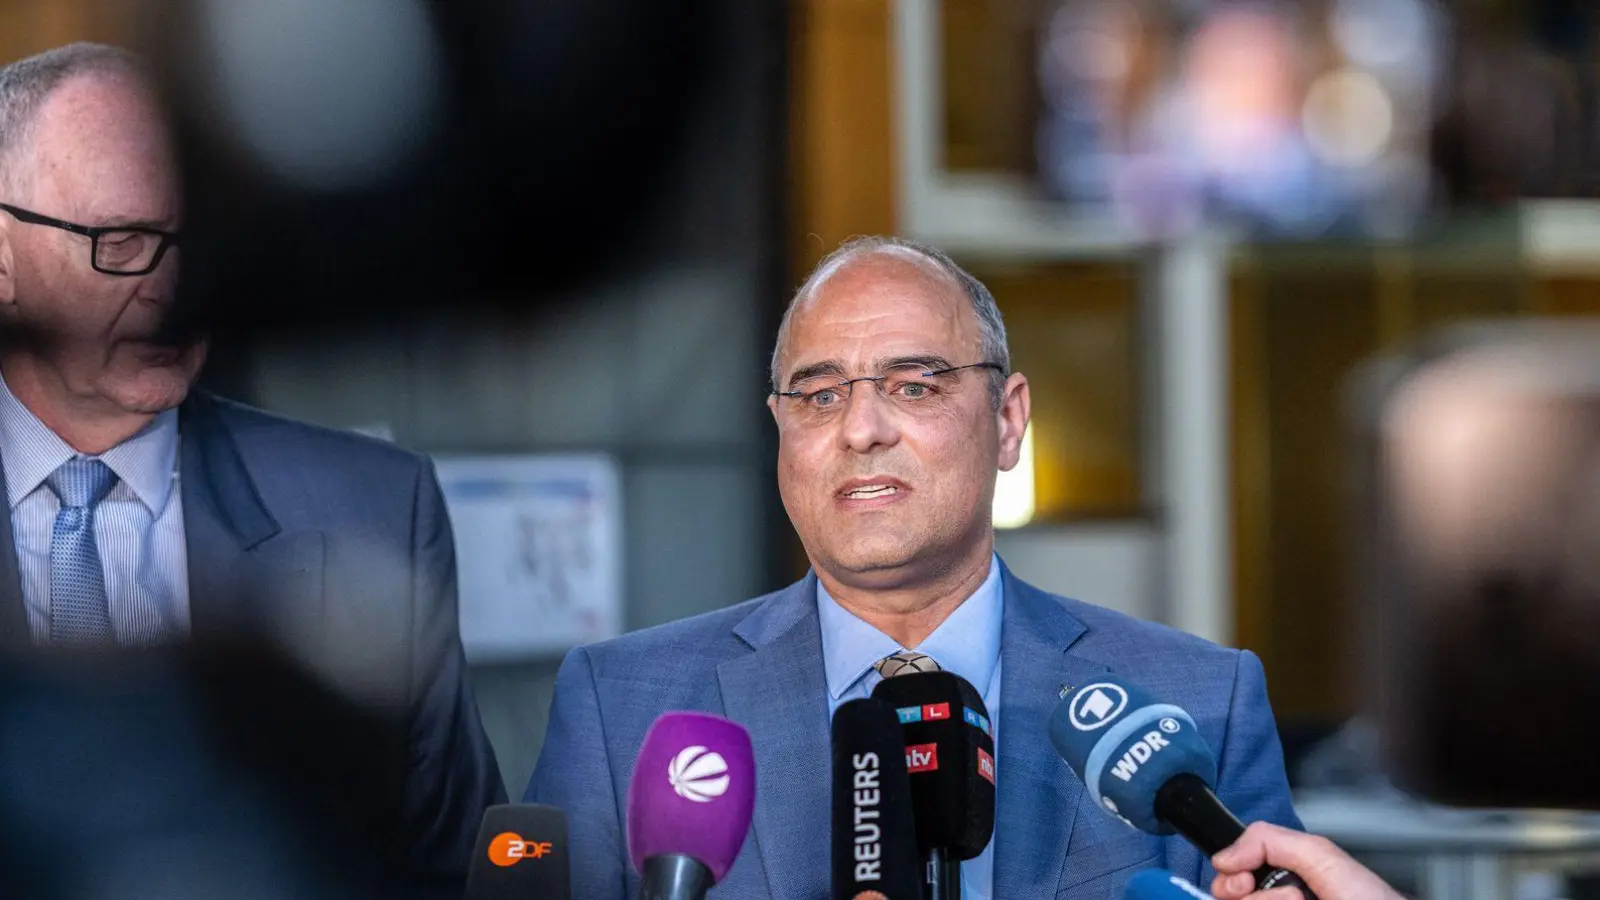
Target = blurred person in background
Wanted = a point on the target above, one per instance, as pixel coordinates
(896, 408)
(146, 514)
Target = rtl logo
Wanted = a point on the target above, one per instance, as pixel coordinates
(933, 712)
(508, 848)
(922, 757)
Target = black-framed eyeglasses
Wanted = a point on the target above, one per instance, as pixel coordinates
(113, 250)
(906, 386)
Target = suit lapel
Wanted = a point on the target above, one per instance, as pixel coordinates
(13, 615)
(1037, 794)
(779, 692)
(247, 577)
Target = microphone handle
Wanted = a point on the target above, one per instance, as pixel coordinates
(943, 876)
(675, 876)
(1188, 804)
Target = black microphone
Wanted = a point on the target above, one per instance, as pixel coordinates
(874, 848)
(521, 854)
(950, 757)
(1145, 763)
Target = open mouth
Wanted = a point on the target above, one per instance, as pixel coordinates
(872, 491)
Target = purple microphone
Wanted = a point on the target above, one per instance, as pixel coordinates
(690, 803)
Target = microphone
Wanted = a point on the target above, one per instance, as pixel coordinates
(1145, 763)
(689, 803)
(1159, 884)
(521, 854)
(950, 757)
(874, 832)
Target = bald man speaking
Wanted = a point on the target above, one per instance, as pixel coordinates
(896, 406)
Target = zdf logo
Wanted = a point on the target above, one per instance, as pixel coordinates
(508, 848)
(698, 774)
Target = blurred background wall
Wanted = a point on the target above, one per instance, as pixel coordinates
(1193, 249)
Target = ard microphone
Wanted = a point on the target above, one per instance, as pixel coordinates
(874, 845)
(1145, 763)
(949, 751)
(1159, 884)
(689, 804)
(521, 854)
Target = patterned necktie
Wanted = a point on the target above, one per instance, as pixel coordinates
(79, 616)
(904, 662)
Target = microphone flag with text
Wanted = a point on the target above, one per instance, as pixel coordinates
(1145, 762)
(874, 841)
(521, 854)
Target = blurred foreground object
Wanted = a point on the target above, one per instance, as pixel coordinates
(357, 160)
(223, 772)
(1484, 556)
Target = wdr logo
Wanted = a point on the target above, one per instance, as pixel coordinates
(1096, 705)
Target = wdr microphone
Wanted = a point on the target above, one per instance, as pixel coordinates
(1145, 763)
(950, 757)
(521, 854)
(874, 846)
(689, 803)
(1159, 884)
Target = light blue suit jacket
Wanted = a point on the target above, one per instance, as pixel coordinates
(760, 664)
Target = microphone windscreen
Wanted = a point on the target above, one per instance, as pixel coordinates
(521, 854)
(874, 841)
(1159, 884)
(1125, 745)
(693, 791)
(950, 757)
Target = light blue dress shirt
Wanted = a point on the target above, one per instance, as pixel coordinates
(138, 527)
(967, 643)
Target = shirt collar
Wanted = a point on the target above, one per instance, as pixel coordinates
(967, 642)
(145, 462)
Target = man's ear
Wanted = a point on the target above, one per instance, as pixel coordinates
(8, 281)
(1016, 407)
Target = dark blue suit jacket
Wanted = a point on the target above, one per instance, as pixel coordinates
(336, 550)
(760, 664)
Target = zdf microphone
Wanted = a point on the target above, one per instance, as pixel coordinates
(1145, 763)
(521, 854)
(689, 803)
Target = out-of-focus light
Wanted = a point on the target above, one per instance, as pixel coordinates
(1240, 76)
(1093, 44)
(1380, 33)
(1014, 490)
(1097, 55)
(1348, 117)
(325, 95)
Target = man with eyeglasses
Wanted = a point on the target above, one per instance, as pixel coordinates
(144, 514)
(896, 406)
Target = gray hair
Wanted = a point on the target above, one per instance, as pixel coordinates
(991, 327)
(26, 83)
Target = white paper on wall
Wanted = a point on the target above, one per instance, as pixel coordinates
(538, 551)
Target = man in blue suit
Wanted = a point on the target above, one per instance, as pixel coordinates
(895, 407)
(142, 513)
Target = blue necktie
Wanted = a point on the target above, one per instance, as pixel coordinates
(79, 616)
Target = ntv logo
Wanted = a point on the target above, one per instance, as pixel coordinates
(1096, 705)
